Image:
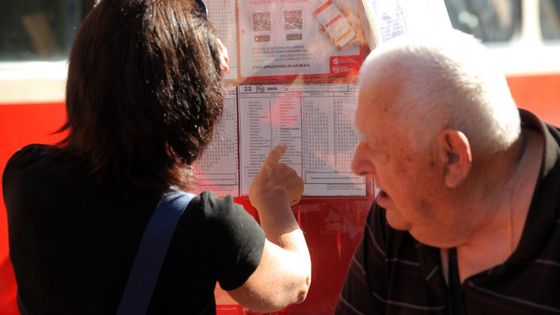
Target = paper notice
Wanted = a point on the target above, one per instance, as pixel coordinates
(314, 121)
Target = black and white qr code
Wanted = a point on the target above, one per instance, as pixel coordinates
(261, 21)
(293, 20)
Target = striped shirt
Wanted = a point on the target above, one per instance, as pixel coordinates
(392, 273)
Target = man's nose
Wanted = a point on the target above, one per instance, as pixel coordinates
(361, 163)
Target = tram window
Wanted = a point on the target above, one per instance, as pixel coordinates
(550, 19)
(39, 29)
(488, 20)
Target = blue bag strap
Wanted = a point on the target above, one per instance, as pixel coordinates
(152, 251)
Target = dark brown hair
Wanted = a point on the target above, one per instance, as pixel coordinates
(144, 92)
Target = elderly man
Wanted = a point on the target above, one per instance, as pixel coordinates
(467, 217)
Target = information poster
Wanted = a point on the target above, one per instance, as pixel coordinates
(221, 14)
(393, 18)
(314, 121)
(217, 169)
(269, 40)
(279, 38)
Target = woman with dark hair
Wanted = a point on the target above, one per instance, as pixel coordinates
(144, 93)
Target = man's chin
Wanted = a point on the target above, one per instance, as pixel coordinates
(396, 221)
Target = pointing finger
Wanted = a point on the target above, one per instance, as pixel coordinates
(275, 155)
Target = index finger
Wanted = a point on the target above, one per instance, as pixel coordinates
(275, 154)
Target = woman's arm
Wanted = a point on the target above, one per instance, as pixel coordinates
(283, 275)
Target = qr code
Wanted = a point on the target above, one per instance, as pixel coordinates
(293, 20)
(261, 21)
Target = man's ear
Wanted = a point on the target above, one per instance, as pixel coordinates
(455, 155)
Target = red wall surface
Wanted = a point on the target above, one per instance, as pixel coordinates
(540, 94)
(20, 125)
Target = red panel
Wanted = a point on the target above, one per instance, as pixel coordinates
(539, 94)
(8, 304)
(333, 228)
(20, 125)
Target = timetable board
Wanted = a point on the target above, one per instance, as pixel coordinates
(217, 169)
(284, 58)
(315, 121)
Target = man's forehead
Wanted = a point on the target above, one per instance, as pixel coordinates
(361, 119)
(365, 124)
(368, 111)
(379, 92)
(375, 118)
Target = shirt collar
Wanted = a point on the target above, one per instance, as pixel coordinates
(543, 212)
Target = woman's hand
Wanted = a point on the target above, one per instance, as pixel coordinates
(224, 56)
(283, 276)
(275, 182)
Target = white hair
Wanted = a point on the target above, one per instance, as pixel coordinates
(446, 81)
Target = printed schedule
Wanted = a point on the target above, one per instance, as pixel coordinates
(217, 169)
(222, 15)
(316, 124)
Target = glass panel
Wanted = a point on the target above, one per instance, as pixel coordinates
(488, 20)
(550, 19)
(39, 29)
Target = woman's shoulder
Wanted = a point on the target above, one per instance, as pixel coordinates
(34, 151)
(30, 155)
(221, 213)
(215, 208)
